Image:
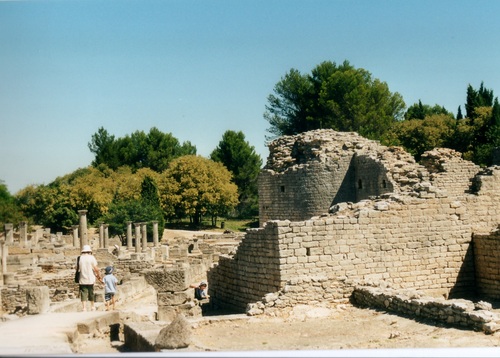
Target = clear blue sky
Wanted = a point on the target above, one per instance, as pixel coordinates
(199, 68)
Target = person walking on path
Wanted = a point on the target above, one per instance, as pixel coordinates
(110, 282)
(89, 272)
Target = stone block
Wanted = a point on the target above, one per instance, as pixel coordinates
(173, 298)
(17, 250)
(166, 313)
(38, 299)
(170, 280)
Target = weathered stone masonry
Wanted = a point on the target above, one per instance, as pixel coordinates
(417, 236)
(487, 264)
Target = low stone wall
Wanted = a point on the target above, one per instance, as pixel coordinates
(413, 304)
(14, 300)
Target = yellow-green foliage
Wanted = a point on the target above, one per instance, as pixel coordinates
(195, 186)
(420, 135)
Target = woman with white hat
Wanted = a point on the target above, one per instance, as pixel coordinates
(89, 271)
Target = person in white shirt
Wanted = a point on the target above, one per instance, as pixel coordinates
(89, 272)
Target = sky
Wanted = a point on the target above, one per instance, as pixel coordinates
(197, 69)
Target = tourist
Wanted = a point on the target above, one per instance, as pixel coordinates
(110, 282)
(89, 271)
(199, 291)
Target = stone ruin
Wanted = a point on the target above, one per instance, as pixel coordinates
(341, 218)
(339, 212)
(38, 267)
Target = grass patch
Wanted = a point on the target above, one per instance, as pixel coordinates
(236, 225)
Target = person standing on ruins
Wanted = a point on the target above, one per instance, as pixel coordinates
(110, 282)
(89, 272)
(199, 291)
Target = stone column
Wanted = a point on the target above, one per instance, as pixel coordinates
(36, 236)
(9, 233)
(144, 233)
(155, 233)
(83, 228)
(164, 253)
(196, 248)
(23, 233)
(101, 235)
(106, 236)
(129, 235)
(5, 253)
(75, 235)
(137, 237)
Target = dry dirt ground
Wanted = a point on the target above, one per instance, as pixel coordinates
(347, 327)
(344, 327)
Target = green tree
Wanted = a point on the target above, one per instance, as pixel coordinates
(47, 205)
(483, 118)
(420, 135)
(104, 148)
(339, 97)
(240, 158)
(420, 111)
(9, 211)
(477, 98)
(153, 150)
(146, 209)
(94, 189)
(194, 186)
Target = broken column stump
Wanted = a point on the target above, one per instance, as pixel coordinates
(174, 294)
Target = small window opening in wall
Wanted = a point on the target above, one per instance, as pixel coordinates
(360, 184)
(308, 251)
(384, 184)
(282, 188)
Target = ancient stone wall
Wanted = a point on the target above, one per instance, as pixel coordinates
(252, 272)
(298, 195)
(448, 171)
(483, 207)
(487, 262)
(405, 241)
(308, 173)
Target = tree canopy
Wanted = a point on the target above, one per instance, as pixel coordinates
(240, 158)
(9, 210)
(56, 205)
(420, 135)
(420, 111)
(427, 127)
(339, 97)
(153, 150)
(194, 186)
(145, 208)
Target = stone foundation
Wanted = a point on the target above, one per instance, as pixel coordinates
(413, 304)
